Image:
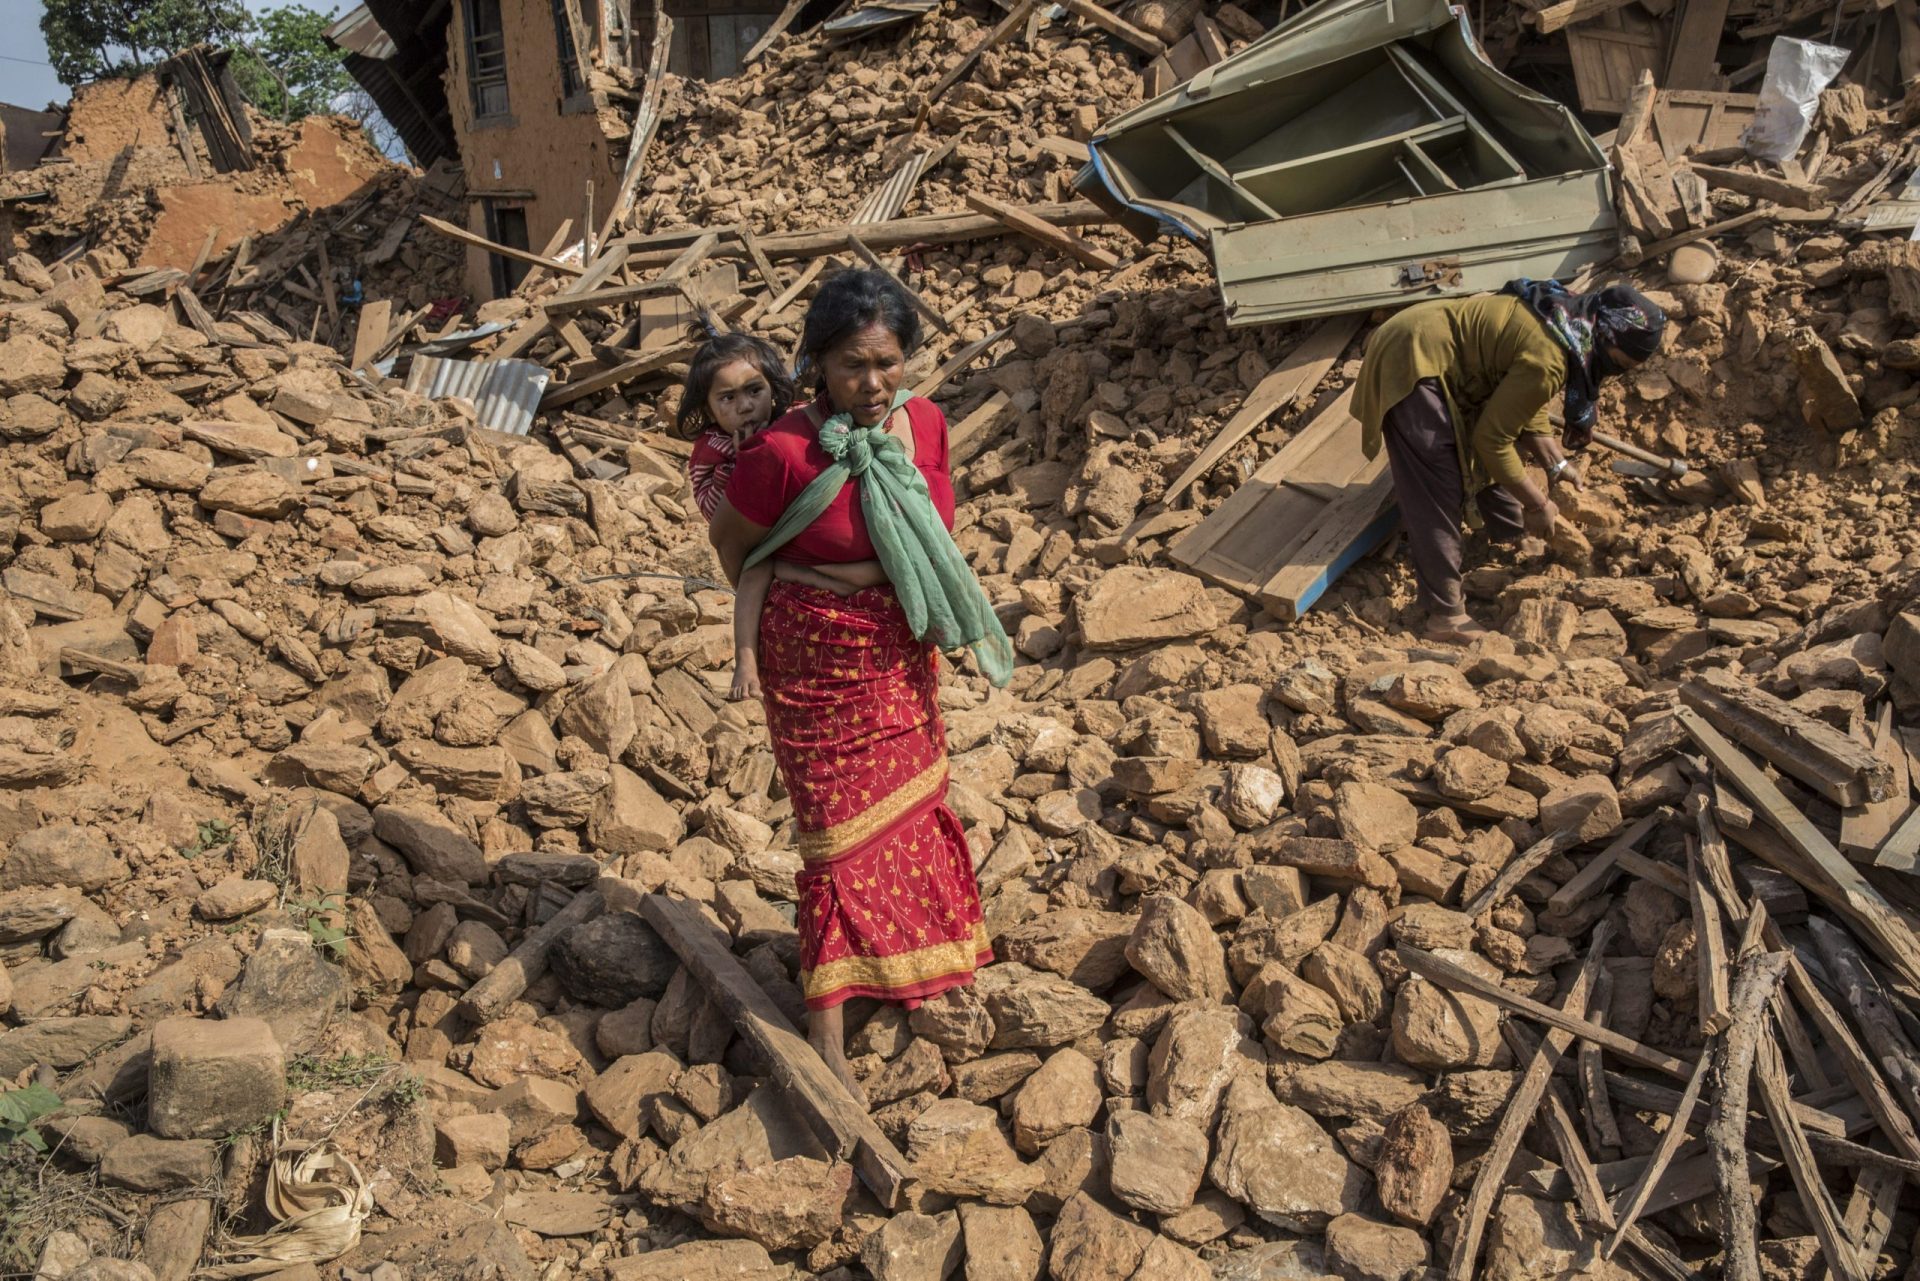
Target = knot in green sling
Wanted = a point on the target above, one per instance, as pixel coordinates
(942, 599)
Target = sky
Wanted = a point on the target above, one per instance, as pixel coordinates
(26, 80)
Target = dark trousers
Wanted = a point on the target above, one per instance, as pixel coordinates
(1425, 460)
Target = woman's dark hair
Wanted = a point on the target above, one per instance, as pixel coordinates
(849, 302)
(715, 354)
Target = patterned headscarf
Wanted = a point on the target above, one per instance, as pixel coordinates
(1586, 325)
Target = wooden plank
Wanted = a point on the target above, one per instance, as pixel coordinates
(920, 304)
(466, 237)
(1597, 871)
(1832, 878)
(1067, 149)
(1829, 762)
(774, 31)
(974, 431)
(1460, 979)
(1901, 850)
(1518, 1115)
(835, 1117)
(959, 360)
(1865, 828)
(1573, 1153)
(1567, 12)
(1733, 1057)
(1292, 379)
(646, 119)
(566, 393)
(1628, 1212)
(503, 984)
(1522, 865)
(555, 243)
(1247, 539)
(1356, 522)
(1016, 19)
(1837, 1247)
(1028, 224)
(370, 334)
(1145, 41)
(1602, 1126)
(1696, 46)
(1893, 1052)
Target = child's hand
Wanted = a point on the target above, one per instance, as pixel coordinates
(746, 679)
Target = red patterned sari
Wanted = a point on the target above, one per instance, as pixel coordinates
(889, 907)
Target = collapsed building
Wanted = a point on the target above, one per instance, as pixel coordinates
(378, 841)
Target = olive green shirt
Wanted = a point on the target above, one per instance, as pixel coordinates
(1498, 368)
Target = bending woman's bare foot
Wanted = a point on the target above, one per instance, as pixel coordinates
(1458, 629)
(827, 1032)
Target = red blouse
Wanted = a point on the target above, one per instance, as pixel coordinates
(778, 463)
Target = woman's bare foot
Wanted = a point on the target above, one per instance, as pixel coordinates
(827, 1033)
(1459, 629)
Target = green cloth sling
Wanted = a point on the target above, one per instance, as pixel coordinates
(942, 599)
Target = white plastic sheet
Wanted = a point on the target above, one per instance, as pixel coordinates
(1797, 70)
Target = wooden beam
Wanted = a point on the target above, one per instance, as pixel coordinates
(921, 305)
(503, 984)
(934, 381)
(1293, 379)
(1567, 12)
(1733, 1057)
(566, 393)
(1016, 19)
(1521, 866)
(1834, 765)
(895, 233)
(1825, 873)
(1597, 871)
(773, 31)
(1847, 970)
(646, 119)
(466, 237)
(1628, 1212)
(1779, 191)
(1028, 224)
(1458, 978)
(555, 243)
(1901, 850)
(1145, 41)
(830, 1111)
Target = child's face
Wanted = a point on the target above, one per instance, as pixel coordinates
(740, 402)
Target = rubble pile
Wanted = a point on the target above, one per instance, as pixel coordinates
(346, 743)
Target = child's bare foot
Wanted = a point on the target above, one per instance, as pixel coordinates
(1460, 629)
(746, 678)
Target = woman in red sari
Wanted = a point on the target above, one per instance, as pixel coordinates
(889, 907)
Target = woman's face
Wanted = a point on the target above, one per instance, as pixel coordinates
(740, 400)
(863, 372)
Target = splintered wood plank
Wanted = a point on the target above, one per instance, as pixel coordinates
(1817, 865)
(1865, 828)
(1027, 224)
(1457, 978)
(1628, 1212)
(1770, 1071)
(1567, 12)
(1727, 1130)
(1521, 1105)
(494, 247)
(370, 334)
(1250, 537)
(835, 1117)
(1521, 866)
(1146, 42)
(959, 360)
(1710, 948)
(1293, 378)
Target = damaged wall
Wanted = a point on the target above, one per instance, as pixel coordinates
(540, 155)
(108, 116)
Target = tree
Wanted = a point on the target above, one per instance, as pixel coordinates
(288, 69)
(90, 39)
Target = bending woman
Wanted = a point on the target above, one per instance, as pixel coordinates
(1454, 385)
(888, 903)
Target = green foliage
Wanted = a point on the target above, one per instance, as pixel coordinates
(288, 69)
(19, 1109)
(356, 1072)
(213, 834)
(317, 915)
(92, 39)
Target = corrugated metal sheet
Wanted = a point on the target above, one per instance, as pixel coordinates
(505, 393)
